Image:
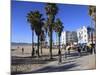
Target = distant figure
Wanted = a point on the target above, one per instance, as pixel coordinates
(33, 52)
(59, 53)
(69, 49)
(79, 51)
(64, 47)
(22, 50)
(36, 52)
(85, 48)
(94, 48)
(90, 48)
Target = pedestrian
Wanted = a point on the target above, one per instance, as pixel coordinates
(90, 48)
(33, 52)
(69, 48)
(79, 51)
(94, 49)
(36, 51)
(22, 50)
(83, 48)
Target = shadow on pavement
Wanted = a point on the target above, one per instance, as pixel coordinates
(51, 69)
(30, 60)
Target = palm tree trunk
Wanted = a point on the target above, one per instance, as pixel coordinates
(59, 43)
(32, 43)
(50, 42)
(51, 18)
(38, 46)
(41, 48)
(59, 51)
(56, 40)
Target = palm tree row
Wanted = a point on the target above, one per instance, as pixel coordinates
(42, 27)
(36, 21)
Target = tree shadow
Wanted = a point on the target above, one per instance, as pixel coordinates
(44, 59)
(50, 69)
(29, 60)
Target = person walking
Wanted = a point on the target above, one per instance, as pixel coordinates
(22, 50)
(90, 48)
(79, 51)
(33, 52)
(69, 48)
(94, 48)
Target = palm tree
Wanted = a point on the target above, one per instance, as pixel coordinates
(58, 29)
(37, 21)
(51, 11)
(92, 12)
(38, 28)
(30, 18)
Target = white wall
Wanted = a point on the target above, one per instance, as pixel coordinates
(84, 35)
(63, 37)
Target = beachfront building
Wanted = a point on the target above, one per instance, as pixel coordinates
(63, 38)
(69, 37)
(74, 37)
(86, 35)
(82, 35)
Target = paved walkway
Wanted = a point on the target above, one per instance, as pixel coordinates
(72, 62)
(68, 64)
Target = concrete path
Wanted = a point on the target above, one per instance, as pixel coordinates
(69, 64)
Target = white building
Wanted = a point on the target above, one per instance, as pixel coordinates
(63, 38)
(68, 37)
(82, 35)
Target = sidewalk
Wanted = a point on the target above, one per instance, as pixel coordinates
(68, 64)
(73, 62)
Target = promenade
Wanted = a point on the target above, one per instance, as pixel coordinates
(22, 64)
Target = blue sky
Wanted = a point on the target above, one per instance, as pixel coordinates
(72, 16)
